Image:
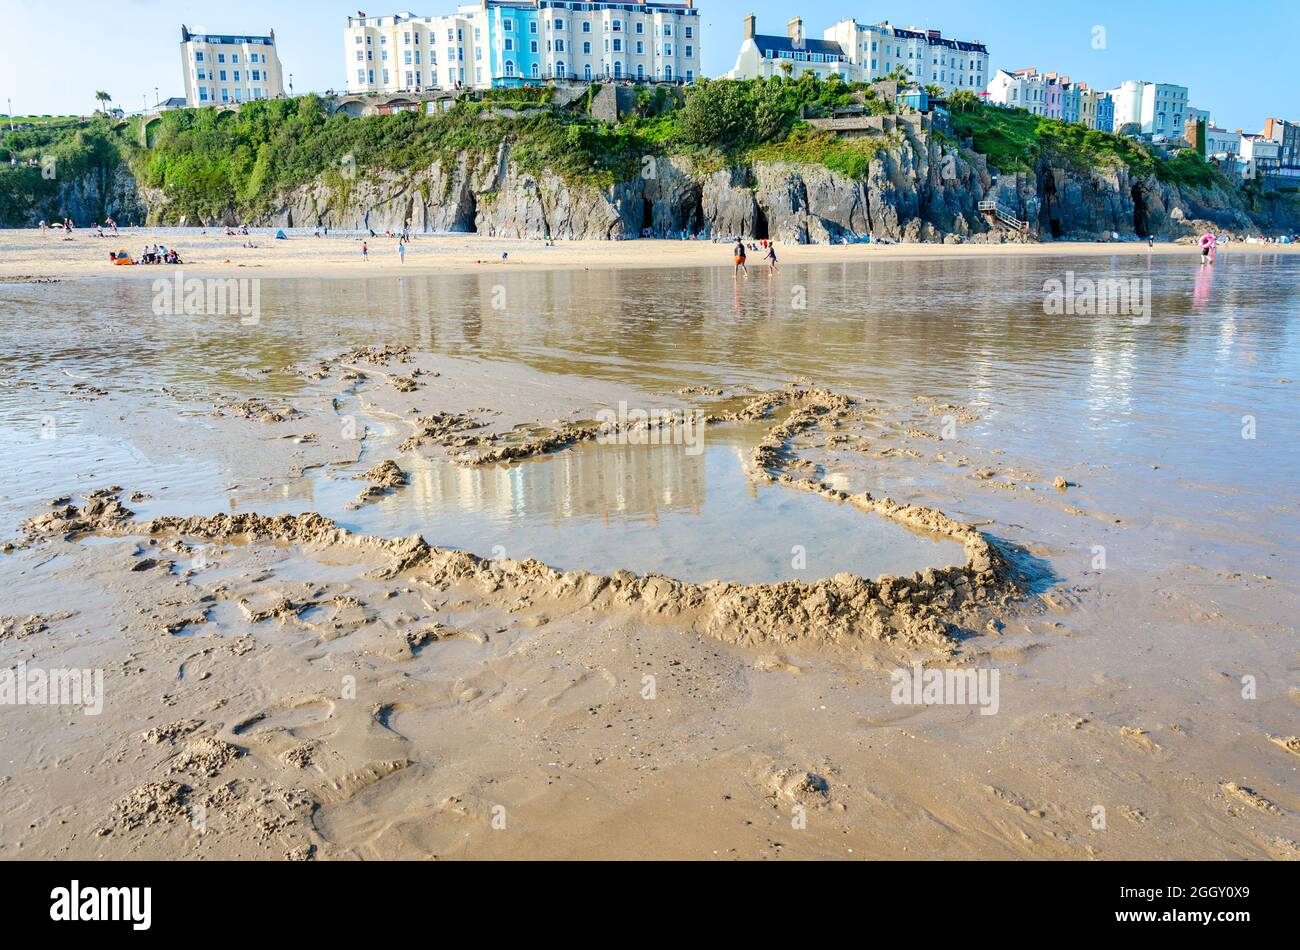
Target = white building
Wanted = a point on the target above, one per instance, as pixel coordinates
(863, 53)
(1018, 89)
(1156, 109)
(1128, 106)
(1220, 143)
(230, 68)
(764, 56)
(929, 58)
(514, 42)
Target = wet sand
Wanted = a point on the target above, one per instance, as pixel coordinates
(276, 688)
(33, 254)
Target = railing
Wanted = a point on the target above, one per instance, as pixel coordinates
(1001, 214)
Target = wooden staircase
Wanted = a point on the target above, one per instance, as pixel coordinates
(996, 212)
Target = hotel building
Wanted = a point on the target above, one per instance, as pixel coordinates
(228, 69)
(496, 43)
(863, 53)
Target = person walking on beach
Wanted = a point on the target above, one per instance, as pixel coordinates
(772, 267)
(401, 251)
(365, 251)
(738, 253)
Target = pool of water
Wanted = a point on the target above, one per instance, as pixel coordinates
(1051, 392)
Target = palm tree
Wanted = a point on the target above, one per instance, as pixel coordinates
(103, 99)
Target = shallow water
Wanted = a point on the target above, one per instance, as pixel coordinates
(1051, 391)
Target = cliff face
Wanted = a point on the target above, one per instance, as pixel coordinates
(912, 192)
(88, 197)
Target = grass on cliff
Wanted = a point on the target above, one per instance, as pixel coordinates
(1015, 140)
(49, 154)
(209, 161)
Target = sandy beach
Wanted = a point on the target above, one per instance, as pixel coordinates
(49, 255)
(331, 567)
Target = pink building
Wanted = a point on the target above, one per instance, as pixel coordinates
(1053, 96)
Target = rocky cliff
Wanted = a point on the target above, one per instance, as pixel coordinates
(914, 191)
(86, 197)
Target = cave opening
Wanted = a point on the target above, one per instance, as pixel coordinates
(1141, 214)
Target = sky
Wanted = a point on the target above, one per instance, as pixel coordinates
(54, 54)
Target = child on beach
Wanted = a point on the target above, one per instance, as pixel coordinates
(365, 251)
(738, 254)
(401, 251)
(771, 258)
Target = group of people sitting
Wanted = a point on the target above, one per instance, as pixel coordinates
(156, 254)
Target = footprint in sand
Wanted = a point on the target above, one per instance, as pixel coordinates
(309, 719)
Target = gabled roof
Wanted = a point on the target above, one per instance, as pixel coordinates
(783, 44)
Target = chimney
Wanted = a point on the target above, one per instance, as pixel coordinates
(795, 31)
(751, 26)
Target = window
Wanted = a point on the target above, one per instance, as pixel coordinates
(257, 75)
(559, 66)
(532, 27)
(586, 26)
(536, 71)
(618, 45)
(668, 49)
(202, 74)
(668, 29)
(221, 57)
(225, 95)
(640, 28)
(510, 44)
(198, 57)
(234, 57)
(559, 24)
(510, 67)
(508, 25)
(559, 46)
(690, 51)
(640, 47)
(586, 49)
(586, 71)
(532, 45)
(361, 57)
(223, 75)
(668, 73)
(203, 94)
(690, 32)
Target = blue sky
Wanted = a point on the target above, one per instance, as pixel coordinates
(1237, 58)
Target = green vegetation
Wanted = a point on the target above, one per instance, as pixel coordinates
(210, 162)
(1015, 140)
(50, 152)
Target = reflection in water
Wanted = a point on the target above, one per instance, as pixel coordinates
(1048, 390)
(647, 508)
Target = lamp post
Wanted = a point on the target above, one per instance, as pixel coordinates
(10, 103)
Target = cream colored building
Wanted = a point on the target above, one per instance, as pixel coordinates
(226, 69)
